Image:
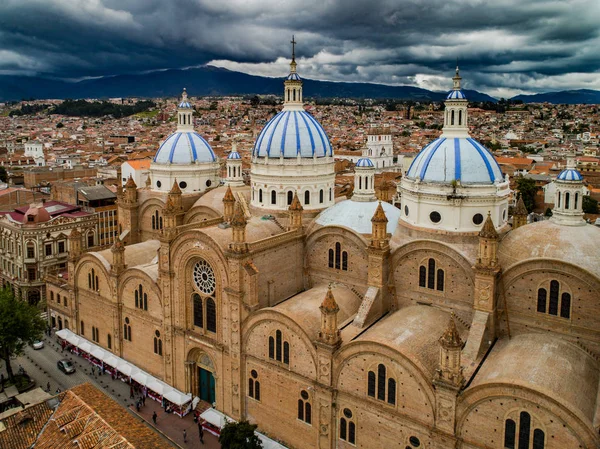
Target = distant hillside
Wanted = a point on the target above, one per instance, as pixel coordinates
(206, 80)
(581, 96)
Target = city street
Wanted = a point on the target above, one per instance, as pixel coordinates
(41, 366)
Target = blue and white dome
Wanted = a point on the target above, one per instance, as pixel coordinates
(570, 174)
(294, 77)
(447, 159)
(184, 148)
(185, 104)
(364, 162)
(234, 155)
(456, 95)
(292, 133)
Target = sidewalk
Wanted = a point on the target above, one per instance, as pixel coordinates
(172, 426)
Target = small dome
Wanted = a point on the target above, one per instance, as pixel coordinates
(456, 95)
(357, 215)
(447, 159)
(364, 162)
(294, 77)
(234, 155)
(569, 174)
(184, 148)
(185, 104)
(292, 133)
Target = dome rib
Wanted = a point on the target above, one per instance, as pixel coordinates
(448, 159)
(173, 147)
(292, 133)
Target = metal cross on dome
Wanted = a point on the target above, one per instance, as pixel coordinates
(293, 42)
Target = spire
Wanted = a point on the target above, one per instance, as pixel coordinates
(488, 231)
(118, 254)
(329, 305)
(292, 95)
(175, 190)
(130, 184)
(148, 181)
(295, 212)
(228, 204)
(456, 79)
(228, 197)
(379, 216)
(451, 338)
(520, 209)
(239, 218)
(169, 208)
(238, 227)
(296, 205)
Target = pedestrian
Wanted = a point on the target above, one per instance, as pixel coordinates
(93, 370)
(143, 400)
(201, 432)
(184, 436)
(137, 406)
(154, 416)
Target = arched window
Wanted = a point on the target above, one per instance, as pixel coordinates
(440, 280)
(524, 429)
(567, 198)
(576, 200)
(198, 310)
(422, 276)
(510, 430)
(290, 197)
(260, 199)
(366, 182)
(381, 380)
(338, 255)
(157, 343)
(93, 283)
(452, 117)
(431, 274)
(344, 261)
(347, 427)
(330, 194)
(330, 264)
(431, 278)
(127, 330)
(538, 439)
(109, 341)
(82, 326)
(565, 305)
(371, 382)
(294, 94)
(522, 433)
(459, 118)
(553, 305)
(160, 223)
(304, 408)
(307, 197)
(254, 385)
(141, 298)
(558, 199)
(273, 197)
(153, 222)
(391, 393)
(541, 300)
(321, 196)
(211, 315)
(279, 350)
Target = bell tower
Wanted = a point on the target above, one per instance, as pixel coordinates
(455, 115)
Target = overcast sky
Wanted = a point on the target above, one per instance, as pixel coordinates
(504, 47)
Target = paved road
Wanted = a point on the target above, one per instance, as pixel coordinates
(41, 366)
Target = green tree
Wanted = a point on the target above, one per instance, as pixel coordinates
(527, 189)
(590, 205)
(239, 435)
(3, 174)
(20, 325)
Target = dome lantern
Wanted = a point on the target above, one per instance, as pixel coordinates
(292, 95)
(364, 180)
(185, 121)
(455, 115)
(568, 200)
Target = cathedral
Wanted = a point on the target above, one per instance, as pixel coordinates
(341, 323)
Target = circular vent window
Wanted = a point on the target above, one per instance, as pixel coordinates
(182, 185)
(406, 210)
(477, 219)
(435, 217)
(158, 184)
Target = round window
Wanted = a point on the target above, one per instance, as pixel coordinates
(347, 413)
(126, 320)
(157, 333)
(304, 394)
(477, 219)
(414, 441)
(253, 373)
(158, 184)
(406, 210)
(183, 184)
(435, 217)
(208, 183)
(204, 277)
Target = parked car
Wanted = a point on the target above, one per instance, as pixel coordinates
(66, 366)
(38, 344)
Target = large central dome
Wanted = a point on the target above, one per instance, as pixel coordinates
(462, 159)
(184, 147)
(292, 133)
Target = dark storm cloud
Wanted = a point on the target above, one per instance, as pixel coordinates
(503, 46)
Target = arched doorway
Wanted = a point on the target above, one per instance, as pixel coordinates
(201, 378)
(33, 296)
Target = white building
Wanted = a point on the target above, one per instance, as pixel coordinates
(35, 150)
(454, 170)
(292, 154)
(138, 169)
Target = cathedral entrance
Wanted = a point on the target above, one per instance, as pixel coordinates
(206, 385)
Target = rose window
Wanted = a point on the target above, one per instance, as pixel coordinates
(204, 277)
